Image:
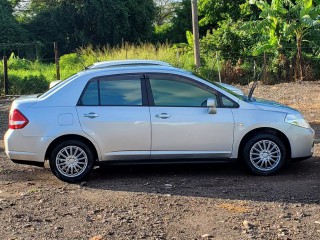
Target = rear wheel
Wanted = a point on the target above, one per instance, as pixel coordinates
(71, 161)
(264, 154)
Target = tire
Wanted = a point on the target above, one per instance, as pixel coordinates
(264, 154)
(71, 161)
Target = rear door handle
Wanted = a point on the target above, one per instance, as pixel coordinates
(91, 115)
(163, 115)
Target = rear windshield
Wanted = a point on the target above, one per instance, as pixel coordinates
(55, 87)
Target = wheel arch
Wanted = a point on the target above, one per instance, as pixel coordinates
(72, 137)
(272, 131)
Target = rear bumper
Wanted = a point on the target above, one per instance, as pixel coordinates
(23, 156)
(20, 148)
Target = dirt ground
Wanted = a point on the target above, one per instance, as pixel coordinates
(212, 201)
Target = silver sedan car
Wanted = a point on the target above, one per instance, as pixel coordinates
(151, 114)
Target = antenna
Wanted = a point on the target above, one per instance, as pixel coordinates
(255, 79)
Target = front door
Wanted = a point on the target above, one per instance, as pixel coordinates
(113, 111)
(181, 124)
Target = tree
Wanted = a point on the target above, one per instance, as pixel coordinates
(181, 22)
(282, 22)
(229, 40)
(165, 10)
(10, 29)
(214, 11)
(174, 30)
(303, 17)
(82, 22)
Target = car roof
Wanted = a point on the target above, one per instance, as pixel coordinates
(124, 63)
(123, 69)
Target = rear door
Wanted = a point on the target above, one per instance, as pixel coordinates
(113, 111)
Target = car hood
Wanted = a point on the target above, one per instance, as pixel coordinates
(273, 106)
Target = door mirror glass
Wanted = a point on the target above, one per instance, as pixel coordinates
(211, 104)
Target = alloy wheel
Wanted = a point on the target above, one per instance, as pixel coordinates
(265, 155)
(71, 161)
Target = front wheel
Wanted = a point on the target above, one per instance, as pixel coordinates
(264, 154)
(71, 161)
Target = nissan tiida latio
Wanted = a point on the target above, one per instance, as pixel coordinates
(151, 114)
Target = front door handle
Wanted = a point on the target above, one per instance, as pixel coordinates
(163, 115)
(91, 115)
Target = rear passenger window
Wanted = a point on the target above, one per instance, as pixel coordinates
(120, 93)
(113, 91)
(91, 95)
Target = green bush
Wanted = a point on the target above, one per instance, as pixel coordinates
(311, 67)
(70, 60)
(27, 85)
(17, 63)
(26, 77)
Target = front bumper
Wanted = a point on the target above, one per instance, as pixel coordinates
(301, 142)
(300, 159)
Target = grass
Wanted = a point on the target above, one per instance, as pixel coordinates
(27, 77)
(23, 72)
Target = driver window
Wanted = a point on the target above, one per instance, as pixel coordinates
(174, 91)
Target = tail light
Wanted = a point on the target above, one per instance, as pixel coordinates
(17, 120)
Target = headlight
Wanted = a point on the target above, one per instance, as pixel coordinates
(297, 120)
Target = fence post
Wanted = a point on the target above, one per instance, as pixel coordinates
(218, 64)
(56, 59)
(264, 67)
(5, 75)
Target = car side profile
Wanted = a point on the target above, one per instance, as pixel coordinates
(151, 114)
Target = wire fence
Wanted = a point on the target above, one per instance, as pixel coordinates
(271, 71)
(18, 77)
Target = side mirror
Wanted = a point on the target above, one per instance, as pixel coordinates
(211, 104)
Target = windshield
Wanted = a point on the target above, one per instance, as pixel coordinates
(242, 97)
(58, 85)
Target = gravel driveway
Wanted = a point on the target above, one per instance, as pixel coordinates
(210, 201)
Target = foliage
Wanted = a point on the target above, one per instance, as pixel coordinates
(10, 30)
(175, 31)
(214, 11)
(79, 23)
(30, 84)
(161, 33)
(229, 40)
(26, 77)
(281, 36)
(165, 10)
(284, 23)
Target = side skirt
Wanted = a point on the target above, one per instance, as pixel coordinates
(166, 161)
(31, 163)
